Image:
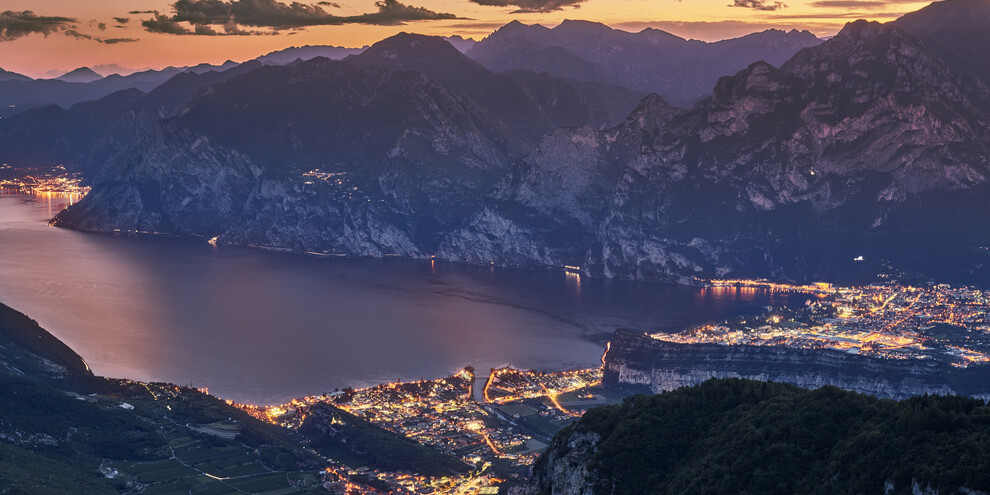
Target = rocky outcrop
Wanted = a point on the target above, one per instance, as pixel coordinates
(564, 469)
(638, 361)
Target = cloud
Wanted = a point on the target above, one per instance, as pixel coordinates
(841, 15)
(329, 4)
(77, 35)
(122, 20)
(114, 41)
(758, 4)
(231, 17)
(109, 41)
(858, 4)
(479, 25)
(391, 12)
(527, 6)
(15, 25)
(102, 26)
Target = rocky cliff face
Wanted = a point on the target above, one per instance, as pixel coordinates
(638, 361)
(383, 154)
(392, 158)
(564, 469)
(782, 172)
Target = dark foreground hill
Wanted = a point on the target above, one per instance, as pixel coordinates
(739, 436)
(65, 431)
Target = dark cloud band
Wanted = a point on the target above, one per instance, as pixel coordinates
(15, 25)
(527, 6)
(108, 41)
(758, 4)
(231, 17)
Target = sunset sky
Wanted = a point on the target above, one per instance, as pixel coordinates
(39, 36)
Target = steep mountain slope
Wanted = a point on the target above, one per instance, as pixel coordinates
(395, 158)
(528, 104)
(651, 60)
(956, 30)
(737, 436)
(866, 145)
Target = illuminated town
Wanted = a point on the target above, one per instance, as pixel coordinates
(500, 424)
(499, 427)
(56, 180)
(939, 322)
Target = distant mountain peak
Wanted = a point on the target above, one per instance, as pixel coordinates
(654, 33)
(651, 60)
(291, 54)
(462, 44)
(431, 55)
(515, 27)
(80, 75)
(581, 23)
(6, 75)
(859, 29)
(405, 48)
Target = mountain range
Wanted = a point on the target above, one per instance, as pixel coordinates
(19, 93)
(867, 145)
(651, 60)
(872, 144)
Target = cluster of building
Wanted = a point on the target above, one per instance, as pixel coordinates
(509, 385)
(56, 180)
(363, 481)
(479, 427)
(941, 322)
(338, 183)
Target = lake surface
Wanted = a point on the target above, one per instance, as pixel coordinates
(262, 327)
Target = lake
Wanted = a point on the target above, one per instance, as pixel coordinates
(262, 327)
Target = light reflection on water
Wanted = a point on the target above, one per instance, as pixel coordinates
(262, 327)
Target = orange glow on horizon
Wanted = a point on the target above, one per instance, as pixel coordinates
(708, 20)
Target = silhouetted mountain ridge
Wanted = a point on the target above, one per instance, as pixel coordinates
(650, 60)
(80, 75)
